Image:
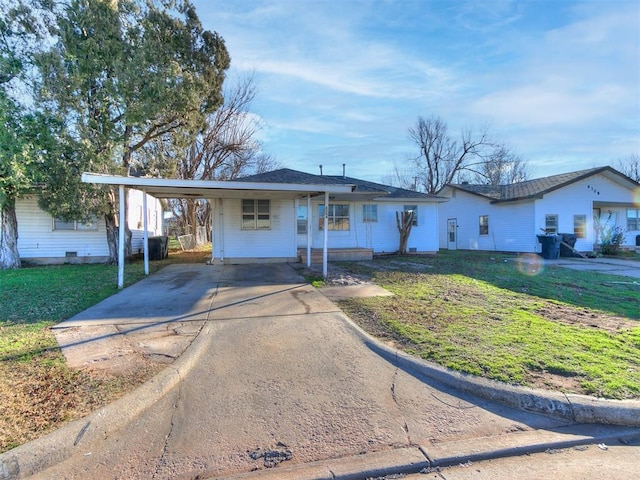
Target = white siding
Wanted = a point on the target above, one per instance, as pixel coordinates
(278, 242)
(510, 225)
(381, 236)
(37, 240)
(136, 219)
(579, 198)
(514, 226)
(282, 241)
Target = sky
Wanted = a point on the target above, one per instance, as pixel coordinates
(342, 81)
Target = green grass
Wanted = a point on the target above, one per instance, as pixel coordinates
(38, 391)
(478, 314)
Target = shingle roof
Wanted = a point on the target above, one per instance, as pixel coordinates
(532, 188)
(286, 175)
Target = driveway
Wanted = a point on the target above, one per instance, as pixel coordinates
(276, 375)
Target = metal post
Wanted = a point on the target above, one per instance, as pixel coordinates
(121, 228)
(213, 203)
(325, 271)
(309, 233)
(145, 234)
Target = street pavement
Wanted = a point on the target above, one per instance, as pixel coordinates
(277, 382)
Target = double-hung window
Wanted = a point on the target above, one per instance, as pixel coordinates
(256, 214)
(414, 209)
(369, 213)
(580, 226)
(551, 223)
(338, 216)
(484, 225)
(633, 219)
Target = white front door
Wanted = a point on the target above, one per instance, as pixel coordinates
(452, 234)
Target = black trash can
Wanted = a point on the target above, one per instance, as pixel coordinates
(570, 239)
(550, 246)
(158, 247)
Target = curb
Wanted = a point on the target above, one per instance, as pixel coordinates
(413, 460)
(573, 407)
(55, 447)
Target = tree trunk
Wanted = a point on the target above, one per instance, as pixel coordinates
(9, 255)
(404, 221)
(111, 224)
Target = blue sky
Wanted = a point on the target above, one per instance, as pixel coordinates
(341, 81)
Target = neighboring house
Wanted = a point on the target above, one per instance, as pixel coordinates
(43, 239)
(509, 217)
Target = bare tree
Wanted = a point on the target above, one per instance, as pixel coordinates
(630, 166)
(502, 167)
(226, 148)
(443, 158)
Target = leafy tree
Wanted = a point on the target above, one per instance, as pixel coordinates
(443, 157)
(120, 75)
(18, 138)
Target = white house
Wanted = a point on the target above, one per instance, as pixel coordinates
(280, 216)
(509, 217)
(360, 223)
(43, 239)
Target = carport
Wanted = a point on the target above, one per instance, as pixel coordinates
(215, 192)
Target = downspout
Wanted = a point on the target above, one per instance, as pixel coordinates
(121, 228)
(309, 233)
(145, 234)
(326, 235)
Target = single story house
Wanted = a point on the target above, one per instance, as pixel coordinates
(43, 239)
(509, 217)
(290, 216)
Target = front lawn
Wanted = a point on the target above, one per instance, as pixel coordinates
(487, 315)
(38, 392)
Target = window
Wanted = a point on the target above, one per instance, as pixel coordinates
(338, 215)
(414, 209)
(551, 223)
(62, 224)
(256, 214)
(301, 216)
(484, 224)
(369, 213)
(633, 219)
(580, 226)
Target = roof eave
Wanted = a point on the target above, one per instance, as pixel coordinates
(141, 183)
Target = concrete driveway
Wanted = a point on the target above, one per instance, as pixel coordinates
(277, 376)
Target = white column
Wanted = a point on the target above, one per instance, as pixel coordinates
(212, 204)
(121, 228)
(145, 234)
(325, 272)
(309, 233)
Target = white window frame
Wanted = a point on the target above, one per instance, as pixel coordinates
(370, 213)
(580, 226)
(414, 209)
(635, 218)
(483, 221)
(61, 225)
(335, 220)
(556, 220)
(258, 217)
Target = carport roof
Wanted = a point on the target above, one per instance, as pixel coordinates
(176, 188)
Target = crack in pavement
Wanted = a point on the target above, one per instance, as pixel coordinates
(162, 460)
(394, 396)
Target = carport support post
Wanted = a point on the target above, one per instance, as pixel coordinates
(309, 231)
(326, 234)
(121, 237)
(145, 234)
